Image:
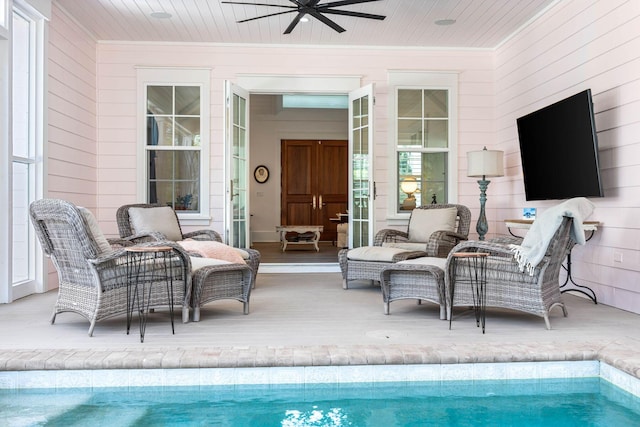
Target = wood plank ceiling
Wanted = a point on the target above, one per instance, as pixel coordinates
(478, 23)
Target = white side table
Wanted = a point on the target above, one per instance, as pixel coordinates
(284, 229)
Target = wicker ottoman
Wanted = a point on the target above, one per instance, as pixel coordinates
(215, 280)
(366, 263)
(420, 278)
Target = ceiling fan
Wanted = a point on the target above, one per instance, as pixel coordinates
(313, 8)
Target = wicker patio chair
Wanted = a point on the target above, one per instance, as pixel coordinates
(92, 275)
(127, 230)
(506, 285)
(421, 235)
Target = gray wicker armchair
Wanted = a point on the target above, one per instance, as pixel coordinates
(507, 286)
(127, 230)
(92, 275)
(439, 243)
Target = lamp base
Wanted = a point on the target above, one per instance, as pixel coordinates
(482, 227)
(409, 204)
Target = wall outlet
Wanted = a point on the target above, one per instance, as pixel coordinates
(617, 257)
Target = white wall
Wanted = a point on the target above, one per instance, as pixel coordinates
(71, 147)
(269, 125)
(117, 97)
(577, 45)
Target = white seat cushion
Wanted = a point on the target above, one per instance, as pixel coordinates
(407, 246)
(424, 222)
(427, 260)
(160, 219)
(197, 262)
(374, 253)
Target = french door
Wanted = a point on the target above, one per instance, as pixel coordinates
(237, 216)
(361, 184)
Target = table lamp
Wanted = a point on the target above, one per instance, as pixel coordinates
(485, 164)
(409, 186)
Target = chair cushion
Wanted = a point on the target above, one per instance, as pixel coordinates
(211, 249)
(424, 222)
(197, 262)
(426, 260)
(159, 219)
(373, 253)
(407, 246)
(94, 229)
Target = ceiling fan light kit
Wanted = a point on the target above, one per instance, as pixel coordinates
(313, 8)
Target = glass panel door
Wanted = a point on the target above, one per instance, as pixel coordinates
(361, 185)
(237, 144)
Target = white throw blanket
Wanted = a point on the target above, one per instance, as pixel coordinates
(535, 243)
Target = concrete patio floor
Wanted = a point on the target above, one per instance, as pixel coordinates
(307, 319)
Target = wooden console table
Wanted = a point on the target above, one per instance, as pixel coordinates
(590, 227)
(284, 229)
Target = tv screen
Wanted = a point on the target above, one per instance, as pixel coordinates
(559, 150)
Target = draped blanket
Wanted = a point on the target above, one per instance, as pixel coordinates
(535, 243)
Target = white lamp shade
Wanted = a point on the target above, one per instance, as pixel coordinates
(485, 163)
(409, 185)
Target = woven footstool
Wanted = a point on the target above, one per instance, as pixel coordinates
(366, 263)
(214, 279)
(419, 278)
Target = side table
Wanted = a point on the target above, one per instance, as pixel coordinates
(475, 263)
(143, 272)
(315, 229)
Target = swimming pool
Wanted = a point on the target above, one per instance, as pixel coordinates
(330, 396)
(549, 402)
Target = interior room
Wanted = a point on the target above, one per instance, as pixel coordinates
(79, 122)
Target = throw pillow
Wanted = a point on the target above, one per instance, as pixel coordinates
(424, 222)
(94, 229)
(159, 219)
(212, 249)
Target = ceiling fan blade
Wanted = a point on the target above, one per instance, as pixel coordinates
(305, 3)
(350, 13)
(344, 3)
(257, 4)
(266, 16)
(294, 22)
(320, 17)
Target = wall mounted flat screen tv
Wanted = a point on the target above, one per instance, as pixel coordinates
(559, 150)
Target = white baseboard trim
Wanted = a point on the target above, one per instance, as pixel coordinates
(329, 267)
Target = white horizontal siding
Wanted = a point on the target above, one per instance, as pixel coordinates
(117, 94)
(575, 45)
(578, 45)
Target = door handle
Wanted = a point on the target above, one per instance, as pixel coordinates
(314, 203)
(320, 204)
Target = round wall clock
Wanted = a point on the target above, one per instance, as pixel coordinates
(261, 174)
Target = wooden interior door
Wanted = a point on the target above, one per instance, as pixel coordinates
(315, 182)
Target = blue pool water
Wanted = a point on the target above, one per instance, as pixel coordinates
(565, 402)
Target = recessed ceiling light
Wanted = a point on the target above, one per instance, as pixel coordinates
(445, 21)
(305, 19)
(161, 15)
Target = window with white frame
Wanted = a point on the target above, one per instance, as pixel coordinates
(175, 143)
(424, 139)
(26, 147)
